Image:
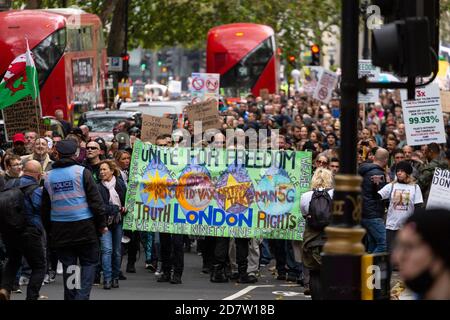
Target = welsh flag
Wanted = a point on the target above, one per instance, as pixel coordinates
(20, 80)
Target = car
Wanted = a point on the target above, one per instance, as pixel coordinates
(101, 122)
(156, 108)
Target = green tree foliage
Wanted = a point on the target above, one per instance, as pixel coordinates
(159, 23)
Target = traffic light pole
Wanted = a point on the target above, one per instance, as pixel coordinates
(126, 70)
(341, 258)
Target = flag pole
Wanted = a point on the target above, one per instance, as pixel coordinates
(38, 96)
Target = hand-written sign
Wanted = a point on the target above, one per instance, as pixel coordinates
(206, 112)
(445, 101)
(23, 116)
(152, 127)
(264, 94)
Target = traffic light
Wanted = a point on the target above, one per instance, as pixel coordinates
(315, 55)
(405, 43)
(161, 59)
(143, 66)
(403, 47)
(169, 59)
(393, 10)
(125, 65)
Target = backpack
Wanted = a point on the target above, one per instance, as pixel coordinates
(319, 213)
(12, 206)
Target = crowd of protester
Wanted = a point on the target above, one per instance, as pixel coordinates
(389, 168)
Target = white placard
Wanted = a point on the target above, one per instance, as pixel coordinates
(174, 88)
(440, 189)
(309, 77)
(424, 123)
(366, 68)
(325, 87)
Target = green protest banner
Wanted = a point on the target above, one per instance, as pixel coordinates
(217, 192)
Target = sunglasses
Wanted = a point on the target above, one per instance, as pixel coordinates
(92, 148)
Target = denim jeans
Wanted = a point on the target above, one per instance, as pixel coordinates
(265, 256)
(376, 235)
(147, 243)
(111, 246)
(87, 254)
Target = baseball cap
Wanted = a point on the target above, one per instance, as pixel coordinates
(66, 148)
(19, 137)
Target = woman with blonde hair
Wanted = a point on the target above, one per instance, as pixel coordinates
(314, 236)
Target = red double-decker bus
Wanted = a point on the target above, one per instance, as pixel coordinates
(245, 56)
(69, 53)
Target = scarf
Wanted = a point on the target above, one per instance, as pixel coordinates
(113, 195)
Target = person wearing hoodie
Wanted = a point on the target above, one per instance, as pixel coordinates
(374, 179)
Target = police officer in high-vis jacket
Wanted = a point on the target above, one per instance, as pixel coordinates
(74, 217)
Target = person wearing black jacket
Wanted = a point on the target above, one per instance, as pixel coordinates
(113, 190)
(73, 215)
(374, 179)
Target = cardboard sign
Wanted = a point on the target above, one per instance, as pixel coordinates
(206, 112)
(423, 118)
(264, 94)
(152, 127)
(445, 101)
(325, 87)
(23, 116)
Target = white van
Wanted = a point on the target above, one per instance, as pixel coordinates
(156, 108)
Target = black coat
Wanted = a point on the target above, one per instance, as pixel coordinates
(374, 179)
(121, 189)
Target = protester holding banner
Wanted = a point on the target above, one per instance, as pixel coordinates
(172, 253)
(433, 154)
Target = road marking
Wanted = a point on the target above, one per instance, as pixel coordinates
(246, 290)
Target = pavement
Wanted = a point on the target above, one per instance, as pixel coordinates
(142, 285)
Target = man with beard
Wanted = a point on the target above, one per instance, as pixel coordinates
(40, 154)
(30, 138)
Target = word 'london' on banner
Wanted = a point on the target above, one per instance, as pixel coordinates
(217, 192)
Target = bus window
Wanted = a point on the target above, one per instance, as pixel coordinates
(80, 39)
(48, 52)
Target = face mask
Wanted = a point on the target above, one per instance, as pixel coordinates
(422, 283)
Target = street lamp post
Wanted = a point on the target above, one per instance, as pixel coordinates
(341, 258)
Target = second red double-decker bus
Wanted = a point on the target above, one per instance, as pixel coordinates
(68, 50)
(244, 54)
